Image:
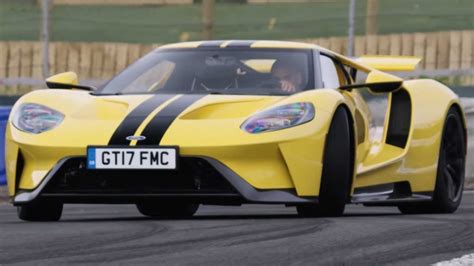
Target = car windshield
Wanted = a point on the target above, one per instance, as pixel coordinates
(217, 71)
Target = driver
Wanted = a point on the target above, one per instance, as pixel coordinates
(288, 75)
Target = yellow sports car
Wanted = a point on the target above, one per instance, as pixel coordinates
(236, 122)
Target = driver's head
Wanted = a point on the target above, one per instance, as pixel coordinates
(289, 75)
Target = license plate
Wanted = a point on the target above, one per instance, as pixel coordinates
(131, 158)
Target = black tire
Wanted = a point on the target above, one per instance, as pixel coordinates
(40, 210)
(167, 209)
(337, 170)
(450, 173)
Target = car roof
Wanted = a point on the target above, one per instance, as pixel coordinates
(262, 44)
(240, 44)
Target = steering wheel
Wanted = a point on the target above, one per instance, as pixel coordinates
(272, 83)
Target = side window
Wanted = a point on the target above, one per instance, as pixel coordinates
(346, 74)
(329, 73)
(361, 77)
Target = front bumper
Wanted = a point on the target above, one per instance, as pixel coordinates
(199, 179)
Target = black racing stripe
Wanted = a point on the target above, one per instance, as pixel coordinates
(133, 120)
(156, 129)
(211, 44)
(246, 43)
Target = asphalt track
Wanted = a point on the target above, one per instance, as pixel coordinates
(251, 234)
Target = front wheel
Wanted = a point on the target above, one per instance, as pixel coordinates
(40, 210)
(168, 209)
(337, 170)
(450, 174)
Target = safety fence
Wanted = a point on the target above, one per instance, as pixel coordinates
(173, 2)
(447, 50)
(120, 2)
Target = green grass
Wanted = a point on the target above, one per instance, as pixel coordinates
(21, 20)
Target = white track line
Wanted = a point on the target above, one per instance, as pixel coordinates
(466, 260)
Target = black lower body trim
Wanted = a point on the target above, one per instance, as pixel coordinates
(240, 191)
(253, 195)
(203, 198)
(390, 194)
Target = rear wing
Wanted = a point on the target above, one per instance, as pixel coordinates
(390, 63)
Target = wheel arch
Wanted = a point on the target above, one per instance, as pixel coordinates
(352, 141)
(337, 170)
(431, 102)
(457, 107)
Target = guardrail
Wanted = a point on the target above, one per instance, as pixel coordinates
(4, 112)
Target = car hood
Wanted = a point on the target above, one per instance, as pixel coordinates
(109, 120)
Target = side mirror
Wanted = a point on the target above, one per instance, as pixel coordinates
(66, 80)
(378, 82)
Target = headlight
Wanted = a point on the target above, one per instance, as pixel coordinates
(36, 118)
(280, 117)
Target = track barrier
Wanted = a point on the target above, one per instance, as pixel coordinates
(4, 112)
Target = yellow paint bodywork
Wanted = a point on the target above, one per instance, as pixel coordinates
(286, 159)
(64, 78)
(417, 163)
(88, 121)
(210, 127)
(390, 63)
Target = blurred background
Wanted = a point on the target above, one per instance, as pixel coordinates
(98, 38)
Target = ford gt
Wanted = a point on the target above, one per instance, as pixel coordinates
(239, 122)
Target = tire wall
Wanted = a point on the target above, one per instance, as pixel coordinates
(468, 104)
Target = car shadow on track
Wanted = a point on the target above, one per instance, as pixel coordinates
(225, 217)
(196, 218)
